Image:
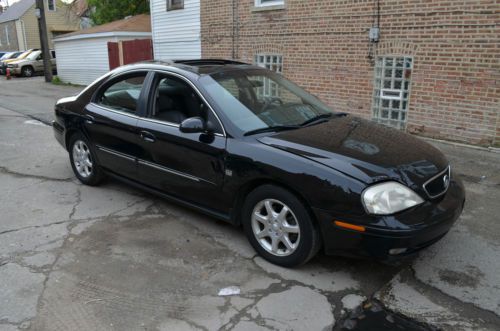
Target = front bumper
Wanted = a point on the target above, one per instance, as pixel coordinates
(412, 230)
(59, 133)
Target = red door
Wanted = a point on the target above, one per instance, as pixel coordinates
(137, 50)
(114, 55)
(130, 51)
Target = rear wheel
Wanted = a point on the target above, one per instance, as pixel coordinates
(27, 71)
(83, 161)
(279, 227)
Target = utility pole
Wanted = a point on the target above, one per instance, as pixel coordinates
(44, 42)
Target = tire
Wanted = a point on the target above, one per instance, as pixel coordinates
(27, 71)
(83, 161)
(292, 229)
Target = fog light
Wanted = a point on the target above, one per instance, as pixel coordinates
(397, 251)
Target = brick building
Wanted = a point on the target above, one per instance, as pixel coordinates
(434, 71)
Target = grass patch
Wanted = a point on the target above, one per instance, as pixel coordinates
(56, 80)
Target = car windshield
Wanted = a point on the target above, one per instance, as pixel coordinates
(259, 99)
(33, 56)
(24, 55)
(6, 56)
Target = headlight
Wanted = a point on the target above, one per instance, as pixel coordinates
(13, 65)
(389, 198)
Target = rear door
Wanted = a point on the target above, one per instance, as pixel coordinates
(111, 123)
(189, 166)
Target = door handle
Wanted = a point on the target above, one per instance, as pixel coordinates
(148, 136)
(88, 119)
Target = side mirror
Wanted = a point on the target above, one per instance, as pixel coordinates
(193, 125)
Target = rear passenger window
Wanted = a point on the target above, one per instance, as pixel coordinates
(124, 94)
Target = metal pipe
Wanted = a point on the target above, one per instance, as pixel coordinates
(233, 42)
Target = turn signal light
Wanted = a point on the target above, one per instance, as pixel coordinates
(350, 226)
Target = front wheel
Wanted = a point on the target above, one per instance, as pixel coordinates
(83, 161)
(27, 71)
(279, 227)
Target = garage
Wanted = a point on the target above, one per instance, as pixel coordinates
(85, 55)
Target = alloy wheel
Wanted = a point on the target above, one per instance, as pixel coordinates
(82, 159)
(28, 72)
(275, 227)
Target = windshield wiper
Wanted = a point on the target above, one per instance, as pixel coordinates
(321, 118)
(274, 128)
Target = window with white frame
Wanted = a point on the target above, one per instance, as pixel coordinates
(272, 62)
(391, 93)
(175, 4)
(264, 3)
(51, 5)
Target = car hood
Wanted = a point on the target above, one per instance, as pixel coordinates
(10, 60)
(364, 150)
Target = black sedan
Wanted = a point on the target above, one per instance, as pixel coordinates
(245, 145)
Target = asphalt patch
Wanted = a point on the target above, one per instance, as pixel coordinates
(373, 316)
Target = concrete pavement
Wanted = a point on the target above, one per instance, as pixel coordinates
(115, 258)
(32, 96)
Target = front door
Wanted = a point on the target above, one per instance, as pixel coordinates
(111, 122)
(38, 63)
(189, 166)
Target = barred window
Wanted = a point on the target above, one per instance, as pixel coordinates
(392, 90)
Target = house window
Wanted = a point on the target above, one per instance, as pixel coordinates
(272, 62)
(51, 5)
(392, 90)
(175, 4)
(264, 3)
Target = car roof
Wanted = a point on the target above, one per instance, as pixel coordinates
(198, 66)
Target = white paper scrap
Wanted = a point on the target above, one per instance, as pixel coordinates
(231, 290)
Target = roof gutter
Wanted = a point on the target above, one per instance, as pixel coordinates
(104, 35)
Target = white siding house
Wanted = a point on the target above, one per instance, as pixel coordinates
(83, 60)
(176, 30)
(83, 57)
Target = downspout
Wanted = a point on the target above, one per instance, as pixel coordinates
(24, 35)
(233, 37)
(153, 35)
(237, 29)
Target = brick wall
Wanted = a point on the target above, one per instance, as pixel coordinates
(8, 43)
(455, 46)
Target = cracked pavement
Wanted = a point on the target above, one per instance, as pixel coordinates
(74, 257)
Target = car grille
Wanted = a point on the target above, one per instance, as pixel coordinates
(438, 185)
